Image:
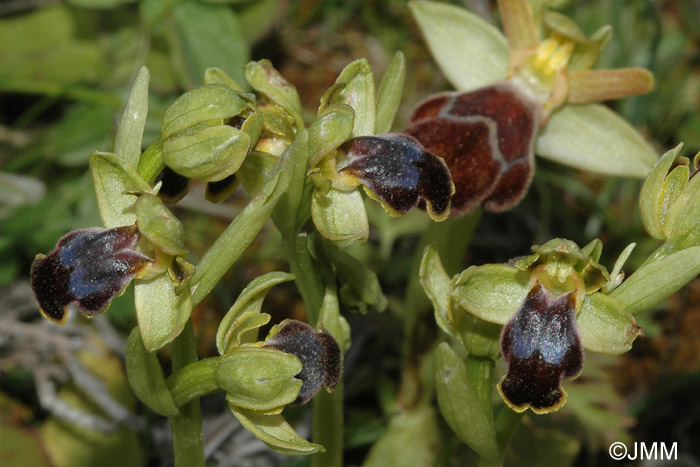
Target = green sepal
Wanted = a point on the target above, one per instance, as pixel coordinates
(480, 338)
(277, 121)
(211, 154)
(605, 326)
(128, 140)
(208, 102)
(161, 312)
(389, 93)
(265, 79)
(656, 281)
(436, 283)
(355, 276)
(146, 377)
(593, 250)
(492, 292)
(215, 75)
(682, 222)
(242, 320)
(659, 191)
(575, 134)
(470, 52)
(359, 94)
(333, 126)
(340, 217)
(460, 403)
(259, 378)
(151, 162)
(586, 51)
(114, 181)
(159, 225)
(275, 432)
(255, 170)
(329, 317)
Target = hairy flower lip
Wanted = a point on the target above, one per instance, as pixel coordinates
(398, 172)
(542, 346)
(89, 267)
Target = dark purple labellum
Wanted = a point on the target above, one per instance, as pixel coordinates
(89, 267)
(486, 137)
(174, 186)
(219, 191)
(319, 353)
(399, 172)
(542, 346)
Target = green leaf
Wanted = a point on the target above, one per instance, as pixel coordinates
(275, 432)
(412, 439)
(362, 280)
(259, 17)
(469, 51)
(340, 217)
(160, 311)
(390, 91)
(259, 378)
(492, 292)
(359, 94)
(436, 284)
(656, 281)
(208, 102)
(146, 377)
(592, 137)
(241, 318)
(265, 79)
(460, 404)
(237, 236)
(127, 143)
(113, 180)
(605, 326)
(332, 127)
(211, 36)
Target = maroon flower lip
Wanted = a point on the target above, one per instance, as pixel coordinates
(399, 172)
(319, 353)
(486, 138)
(542, 346)
(89, 267)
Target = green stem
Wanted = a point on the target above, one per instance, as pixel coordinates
(480, 373)
(188, 446)
(194, 380)
(328, 427)
(308, 279)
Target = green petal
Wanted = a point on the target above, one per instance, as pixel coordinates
(113, 179)
(593, 138)
(359, 94)
(492, 292)
(234, 327)
(656, 281)
(469, 51)
(274, 431)
(460, 404)
(605, 326)
(389, 94)
(332, 127)
(340, 217)
(160, 311)
(259, 378)
(127, 143)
